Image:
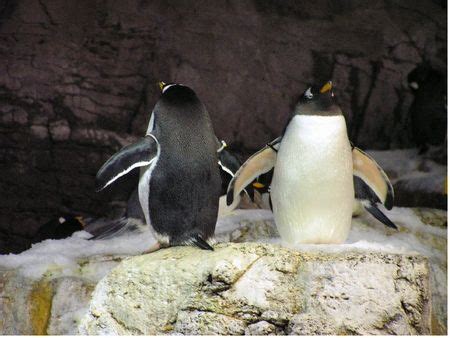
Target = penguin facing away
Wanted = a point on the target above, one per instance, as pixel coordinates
(317, 174)
(179, 184)
(133, 220)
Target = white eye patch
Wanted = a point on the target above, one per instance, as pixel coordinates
(308, 93)
(414, 85)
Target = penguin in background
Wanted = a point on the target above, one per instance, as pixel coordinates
(179, 160)
(59, 227)
(428, 110)
(317, 174)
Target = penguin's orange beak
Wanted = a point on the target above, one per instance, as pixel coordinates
(326, 87)
(161, 85)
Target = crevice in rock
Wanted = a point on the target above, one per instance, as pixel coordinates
(47, 13)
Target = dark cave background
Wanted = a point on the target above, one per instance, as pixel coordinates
(78, 81)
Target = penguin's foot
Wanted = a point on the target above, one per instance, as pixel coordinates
(153, 248)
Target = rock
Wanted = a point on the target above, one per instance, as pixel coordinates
(60, 130)
(239, 288)
(53, 303)
(48, 288)
(262, 328)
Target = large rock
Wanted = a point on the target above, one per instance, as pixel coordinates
(52, 303)
(48, 288)
(260, 289)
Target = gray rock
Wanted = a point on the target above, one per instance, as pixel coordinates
(60, 130)
(238, 288)
(53, 303)
(261, 328)
(245, 288)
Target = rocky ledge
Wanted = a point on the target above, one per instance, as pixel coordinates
(380, 281)
(254, 288)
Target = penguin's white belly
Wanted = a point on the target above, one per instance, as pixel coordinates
(312, 188)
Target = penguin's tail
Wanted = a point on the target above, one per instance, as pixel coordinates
(106, 229)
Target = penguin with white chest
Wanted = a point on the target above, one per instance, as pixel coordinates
(317, 174)
(179, 184)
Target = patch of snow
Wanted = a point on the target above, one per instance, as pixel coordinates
(66, 253)
(366, 234)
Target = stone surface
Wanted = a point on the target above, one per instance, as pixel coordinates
(76, 77)
(48, 288)
(261, 289)
(53, 303)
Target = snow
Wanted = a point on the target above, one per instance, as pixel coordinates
(69, 252)
(366, 234)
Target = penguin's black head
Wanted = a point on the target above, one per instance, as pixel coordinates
(177, 93)
(318, 101)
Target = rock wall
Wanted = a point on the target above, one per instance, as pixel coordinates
(77, 81)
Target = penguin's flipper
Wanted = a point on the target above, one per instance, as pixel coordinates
(228, 163)
(378, 214)
(378, 188)
(135, 155)
(258, 164)
(369, 199)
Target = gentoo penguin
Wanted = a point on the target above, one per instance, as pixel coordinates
(179, 184)
(314, 169)
(60, 227)
(133, 220)
(428, 110)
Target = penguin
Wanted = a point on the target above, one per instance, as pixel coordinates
(133, 220)
(60, 227)
(179, 159)
(315, 173)
(428, 111)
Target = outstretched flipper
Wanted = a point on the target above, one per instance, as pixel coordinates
(133, 156)
(258, 164)
(372, 186)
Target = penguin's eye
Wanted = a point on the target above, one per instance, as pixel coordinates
(308, 93)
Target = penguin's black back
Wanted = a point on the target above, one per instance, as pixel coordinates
(185, 183)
